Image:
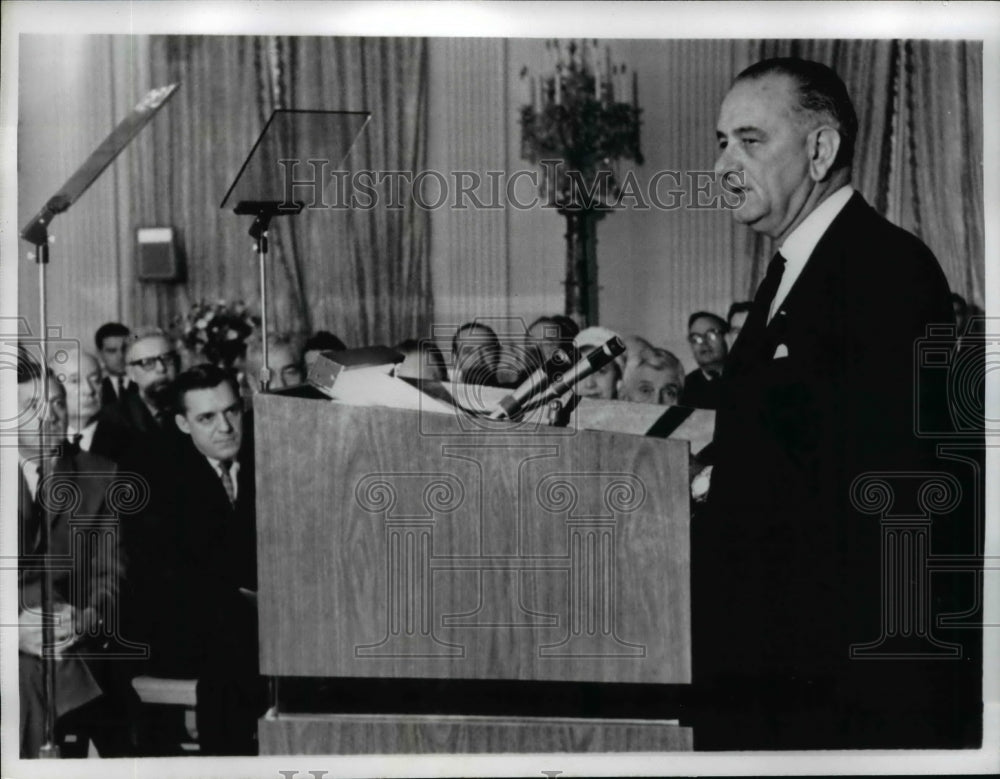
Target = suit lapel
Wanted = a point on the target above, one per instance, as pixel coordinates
(29, 516)
(206, 485)
(806, 296)
(812, 284)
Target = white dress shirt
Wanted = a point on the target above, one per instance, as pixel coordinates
(119, 383)
(798, 246)
(29, 468)
(86, 435)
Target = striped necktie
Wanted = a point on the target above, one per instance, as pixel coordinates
(227, 480)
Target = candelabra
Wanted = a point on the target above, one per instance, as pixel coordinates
(577, 124)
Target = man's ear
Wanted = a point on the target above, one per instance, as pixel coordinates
(182, 423)
(824, 143)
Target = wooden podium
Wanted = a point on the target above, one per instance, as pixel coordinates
(396, 544)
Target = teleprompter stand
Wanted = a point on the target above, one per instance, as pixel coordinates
(266, 185)
(36, 232)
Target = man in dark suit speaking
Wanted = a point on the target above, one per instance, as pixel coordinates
(819, 389)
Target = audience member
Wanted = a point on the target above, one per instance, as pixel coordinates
(602, 384)
(84, 592)
(283, 359)
(422, 360)
(652, 376)
(152, 365)
(320, 341)
(193, 559)
(735, 320)
(110, 340)
(475, 349)
(80, 375)
(706, 334)
(544, 336)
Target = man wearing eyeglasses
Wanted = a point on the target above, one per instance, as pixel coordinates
(151, 363)
(707, 336)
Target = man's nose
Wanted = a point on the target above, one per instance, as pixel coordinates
(723, 163)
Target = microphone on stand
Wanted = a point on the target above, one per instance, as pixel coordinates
(588, 364)
(511, 406)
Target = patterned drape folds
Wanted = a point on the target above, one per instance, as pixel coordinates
(362, 273)
(920, 144)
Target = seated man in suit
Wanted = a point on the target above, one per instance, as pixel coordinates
(193, 559)
(476, 350)
(544, 336)
(284, 360)
(152, 366)
(50, 471)
(706, 334)
(80, 375)
(110, 340)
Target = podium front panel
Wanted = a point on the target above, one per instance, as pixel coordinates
(396, 543)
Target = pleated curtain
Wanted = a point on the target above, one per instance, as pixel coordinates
(362, 273)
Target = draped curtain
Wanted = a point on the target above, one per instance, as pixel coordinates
(920, 145)
(362, 273)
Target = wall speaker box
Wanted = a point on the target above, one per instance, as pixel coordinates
(158, 256)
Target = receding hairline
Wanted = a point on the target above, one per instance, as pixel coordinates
(794, 107)
(140, 336)
(181, 406)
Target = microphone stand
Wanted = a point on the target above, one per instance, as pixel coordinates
(37, 234)
(263, 211)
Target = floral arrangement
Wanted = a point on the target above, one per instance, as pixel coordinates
(218, 331)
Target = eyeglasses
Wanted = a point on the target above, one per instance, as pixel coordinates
(166, 360)
(697, 339)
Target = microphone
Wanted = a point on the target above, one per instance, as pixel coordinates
(588, 364)
(512, 405)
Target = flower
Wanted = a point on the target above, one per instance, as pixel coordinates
(217, 331)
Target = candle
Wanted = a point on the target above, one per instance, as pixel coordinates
(558, 86)
(635, 90)
(607, 66)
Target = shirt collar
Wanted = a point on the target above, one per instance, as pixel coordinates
(803, 239)
(217, 464)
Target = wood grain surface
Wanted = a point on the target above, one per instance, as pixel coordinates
(357, 734)
(396, 543)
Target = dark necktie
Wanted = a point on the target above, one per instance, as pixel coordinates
(227, 480)
(769, 287)
(751, 344)
(72, 445)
